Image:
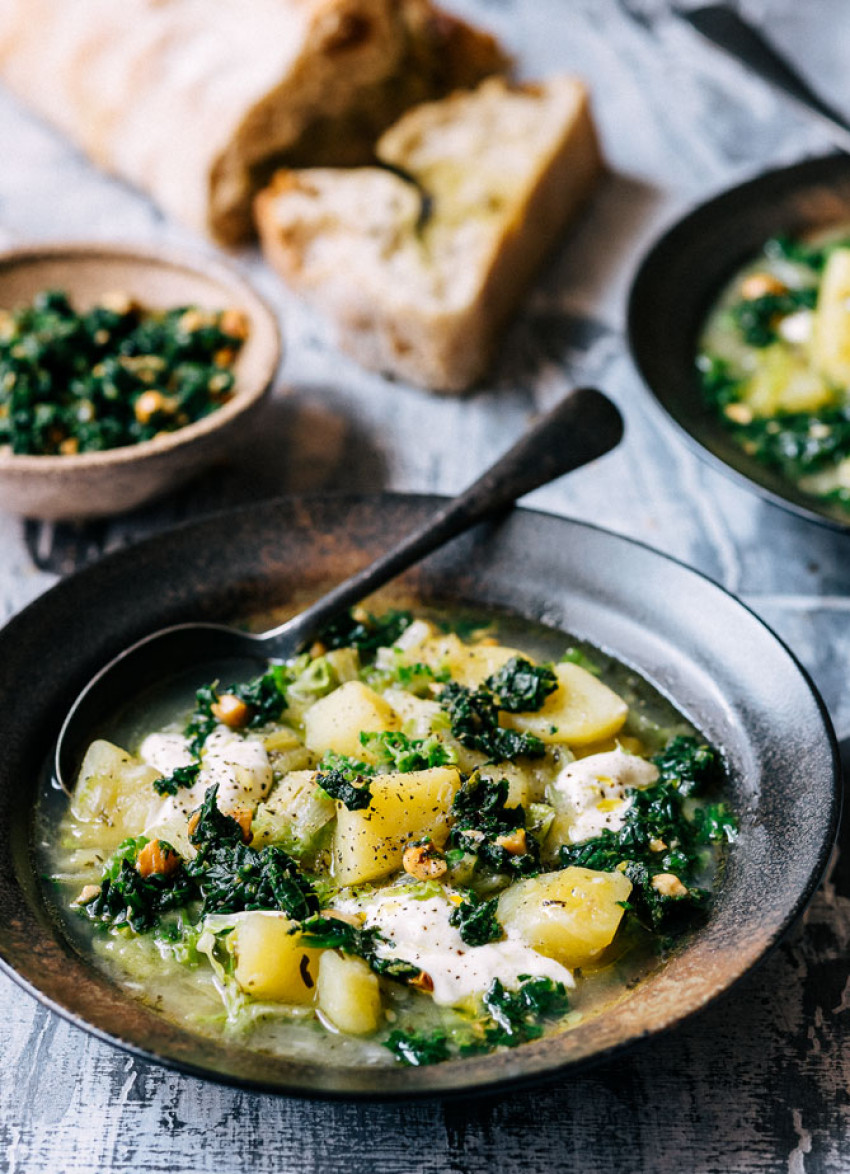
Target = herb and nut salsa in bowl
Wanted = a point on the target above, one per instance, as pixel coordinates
(113, 374)
(124, 372)
(434, 835)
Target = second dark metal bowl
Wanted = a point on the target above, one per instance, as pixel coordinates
(680, 279)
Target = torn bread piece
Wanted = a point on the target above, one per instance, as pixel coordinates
(199, 101)
(420, 264)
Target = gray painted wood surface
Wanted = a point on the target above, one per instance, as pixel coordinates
(760, 1082)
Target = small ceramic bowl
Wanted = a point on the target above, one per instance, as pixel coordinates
(89, 485)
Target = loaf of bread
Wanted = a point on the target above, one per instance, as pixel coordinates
(420, 263)
(198, 101)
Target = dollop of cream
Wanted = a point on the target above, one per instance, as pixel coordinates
(240, 766)
(419, 932)
(594, 790)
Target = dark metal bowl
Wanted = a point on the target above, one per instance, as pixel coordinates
(679, 281)
(699, 645)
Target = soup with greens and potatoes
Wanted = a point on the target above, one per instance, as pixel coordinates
(774, 360)
(421, 840)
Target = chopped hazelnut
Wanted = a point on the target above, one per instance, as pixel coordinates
(157, 858)
(191, 321)
(759, 285)
(243, 816)
(514, 842)
(87, 893)
(231, 711)
(668, 885)
(234, 323)
(423, 862)
(739, 413)
(118, 302)
(354, 919)
(150, 404)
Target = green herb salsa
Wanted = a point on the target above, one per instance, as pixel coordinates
(113, 375)
(401, 847)
(774, 362)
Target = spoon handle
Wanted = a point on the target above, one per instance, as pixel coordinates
(583, 426)
(741, 40)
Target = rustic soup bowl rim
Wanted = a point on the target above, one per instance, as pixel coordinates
(728, 671)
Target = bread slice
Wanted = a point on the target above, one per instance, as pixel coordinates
(198, 101)
(420, 264)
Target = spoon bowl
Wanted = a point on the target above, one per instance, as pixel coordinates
(584, 425)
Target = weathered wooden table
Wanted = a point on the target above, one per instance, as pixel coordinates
(760, 1082)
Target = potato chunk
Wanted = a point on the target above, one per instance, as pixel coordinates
(369, 844)
(294, 814)
(349, 993)
(580, 710)
(271, 962)
(571, 915)
(470, 664)
(115, 791)
(831, 337)
(336, 721)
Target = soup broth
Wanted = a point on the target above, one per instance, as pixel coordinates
(430, 836)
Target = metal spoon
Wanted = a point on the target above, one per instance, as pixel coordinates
(741, 40)
(582, 427)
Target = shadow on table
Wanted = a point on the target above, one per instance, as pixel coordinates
(578, 300)
(304, 443)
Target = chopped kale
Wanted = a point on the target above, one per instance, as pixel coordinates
(658, 837)
(113, 375)
(694, 765)
(352, 768)
(520, 686)
(480, 818)
(417, 678)
(714, 822)
(418, 1048)
(181, 776)
(264, 695)
(800, 252)
(720, 387)
(355, 794)
(128, 898)
(517, 1015)
(366, 632)
(403, 754)
(331, 933)
(757, 318)
(233, 877)
(476, 920)
(202, 721)
(510, 1018)
(475, 723)
(797, 443)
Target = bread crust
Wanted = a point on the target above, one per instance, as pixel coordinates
(414, 304)
(192, 100)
